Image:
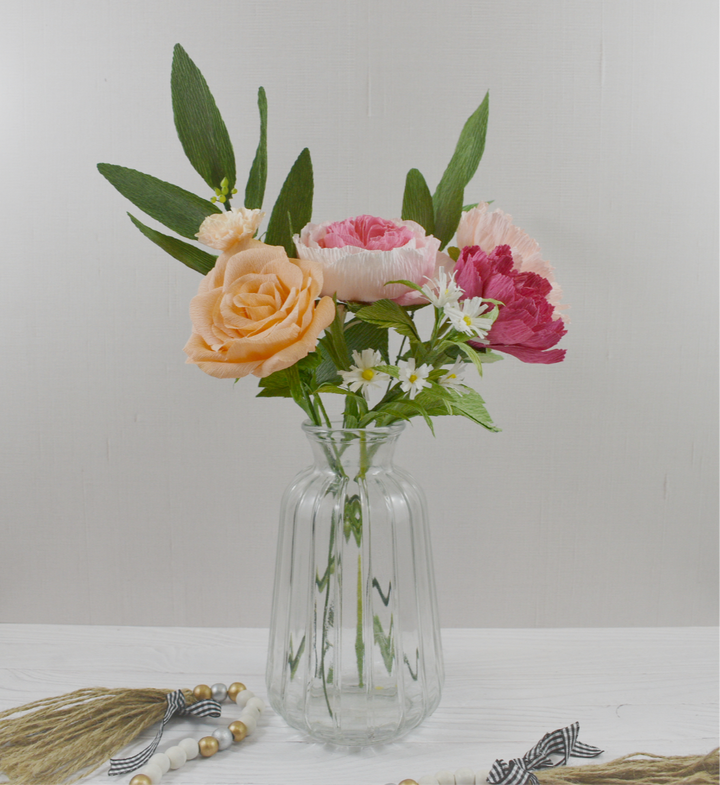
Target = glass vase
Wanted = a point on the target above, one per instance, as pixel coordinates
(355, 656)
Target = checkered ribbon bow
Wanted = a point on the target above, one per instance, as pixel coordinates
(177, 706)
(561, 742)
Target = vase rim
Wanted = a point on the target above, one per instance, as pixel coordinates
(336, 427)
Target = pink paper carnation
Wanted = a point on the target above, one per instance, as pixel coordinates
(488, 229)
(527, 326)
(360, 255)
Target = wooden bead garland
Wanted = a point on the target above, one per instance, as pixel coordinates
(176, 756)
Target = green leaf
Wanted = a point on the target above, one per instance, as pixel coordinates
(200, 127)
(333, 342)
(179, 210)
(255, 188)
(361, 335)
(388, 314)
(384, 642)
(410, 285)
(297, 392)
(276, 385)
(193, 257)
(471, 405)
(472, 355)
(448, 197)
(293, 208)
(417, 202)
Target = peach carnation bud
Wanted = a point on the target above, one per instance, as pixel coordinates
(227, 229)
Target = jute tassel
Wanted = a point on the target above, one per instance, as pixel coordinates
(61, 740)
(640, 769)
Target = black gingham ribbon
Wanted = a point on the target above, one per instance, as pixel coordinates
(561, 742)
(177, 706)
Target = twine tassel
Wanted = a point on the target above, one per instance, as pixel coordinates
(640, 768)
(60, 740)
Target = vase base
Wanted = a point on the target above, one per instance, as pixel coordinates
(354, 724)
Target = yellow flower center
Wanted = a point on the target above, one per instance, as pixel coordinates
(467, 320)
(368, 374)
(452, 376)
(413, 378)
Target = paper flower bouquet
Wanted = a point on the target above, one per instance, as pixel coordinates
(332, 309)
(308, 307)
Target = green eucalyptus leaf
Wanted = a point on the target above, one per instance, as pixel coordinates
(293, 208)
(179, 210)
(255, 188)
(388, 314)
(448, 197)
(193, 257)
(200, 127)
(418, 202)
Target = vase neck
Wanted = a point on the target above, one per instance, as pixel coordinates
(353, 451)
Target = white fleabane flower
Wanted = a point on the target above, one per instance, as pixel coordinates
(362, 375)
(453, 378)
(467, 317)
(412, 379)
(443, 290)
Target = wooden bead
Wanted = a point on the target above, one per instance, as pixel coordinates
(208, 746)
(141, 779)
(408, 782)
(234, 688)
(202, 692)
(238, 730)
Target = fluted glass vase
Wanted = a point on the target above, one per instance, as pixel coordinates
(355, 656)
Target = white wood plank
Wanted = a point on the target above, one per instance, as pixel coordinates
(652, 690)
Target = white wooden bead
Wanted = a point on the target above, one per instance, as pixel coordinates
(250, 720)
(464, 777)
(481, 777)
(427, 779)
(243, 697)
(257, 703)
(445, 777)
(178, 756)
(162, 760)
(153, 771)
(192, 750)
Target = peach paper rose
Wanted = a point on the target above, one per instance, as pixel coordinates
(360, 255)
(488, 230)
(256, 312)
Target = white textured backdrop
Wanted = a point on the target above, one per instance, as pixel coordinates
(136, 490)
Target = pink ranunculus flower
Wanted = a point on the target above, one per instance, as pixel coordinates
(526, 326)
(488, 229)
(360, 255)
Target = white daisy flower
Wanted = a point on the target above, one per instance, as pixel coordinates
(362, 375)
(412, 379)
(453, 378)
(467, 317)
(443, 290)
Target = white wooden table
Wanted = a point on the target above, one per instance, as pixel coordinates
(632, 690)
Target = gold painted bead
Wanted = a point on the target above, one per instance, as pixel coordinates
(408, 782)
(202, 692)
(141, 779)
(238, 730)
(234, 689)
(208, 746)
